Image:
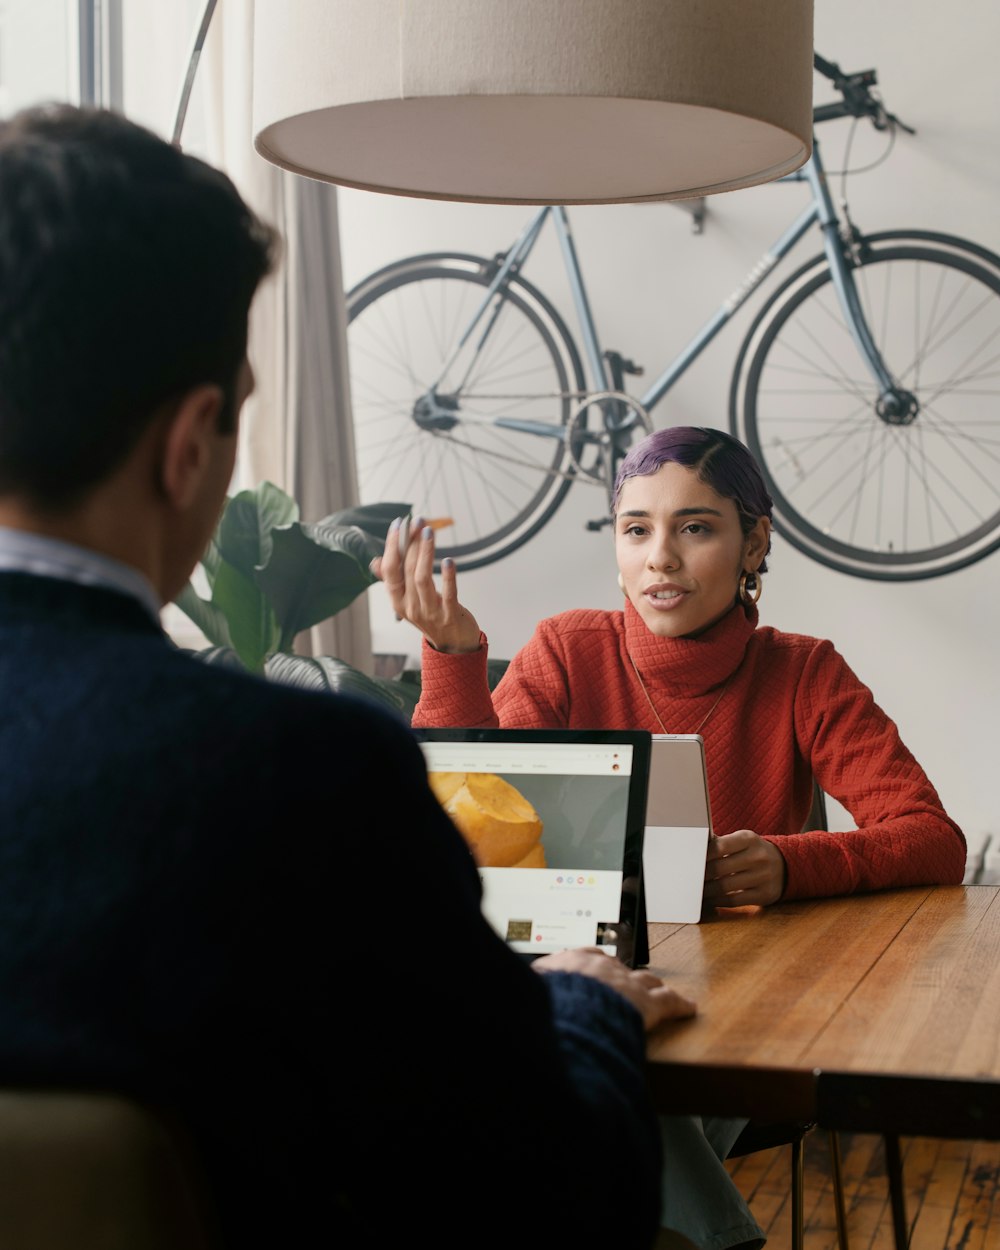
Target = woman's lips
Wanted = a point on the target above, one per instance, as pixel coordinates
(665, 598)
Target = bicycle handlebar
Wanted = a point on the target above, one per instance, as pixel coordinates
(858, 101)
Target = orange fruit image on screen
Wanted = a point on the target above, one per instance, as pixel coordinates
(502, 828)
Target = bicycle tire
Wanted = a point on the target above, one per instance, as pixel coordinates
(873, 499)
(939, 240)
(498, 487)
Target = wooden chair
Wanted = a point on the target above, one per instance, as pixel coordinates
(817, 818)
(761, 1136)
(96, 1171)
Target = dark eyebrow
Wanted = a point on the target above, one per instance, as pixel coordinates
(639, 512)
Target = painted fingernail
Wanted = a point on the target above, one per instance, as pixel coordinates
(427, 533)
(447, 563)
(394, 525)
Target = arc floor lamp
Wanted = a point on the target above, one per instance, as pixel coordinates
(530, 101)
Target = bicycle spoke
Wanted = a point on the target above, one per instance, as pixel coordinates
(857, 503)
(833, 376)
(950, 384)
(956, 438)
(384, 357)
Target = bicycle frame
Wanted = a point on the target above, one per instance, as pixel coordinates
(874, 473)
(820, 210)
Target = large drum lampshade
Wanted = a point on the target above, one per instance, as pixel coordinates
(535, 101)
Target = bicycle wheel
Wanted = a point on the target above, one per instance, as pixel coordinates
(426, 410)
(891, 497)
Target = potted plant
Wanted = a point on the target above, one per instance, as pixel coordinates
(271, 575)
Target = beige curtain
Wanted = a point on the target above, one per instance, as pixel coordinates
(297, 428)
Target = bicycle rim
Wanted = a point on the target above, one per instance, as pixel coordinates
(496, 487)
(891, 502)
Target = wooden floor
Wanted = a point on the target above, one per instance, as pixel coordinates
(953, 1193)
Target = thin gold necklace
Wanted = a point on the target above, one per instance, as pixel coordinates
(704, 720)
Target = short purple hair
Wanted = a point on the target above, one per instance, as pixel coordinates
(720, 461)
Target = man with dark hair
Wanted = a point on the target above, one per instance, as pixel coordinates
(128, 271)
(188, 914)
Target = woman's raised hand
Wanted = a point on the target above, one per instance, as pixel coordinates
(406, 569)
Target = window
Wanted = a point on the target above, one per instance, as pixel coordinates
(38, 52)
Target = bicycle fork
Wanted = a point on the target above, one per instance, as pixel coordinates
(895, 404)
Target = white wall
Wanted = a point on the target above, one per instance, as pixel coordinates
(38, 59)
(928, 649)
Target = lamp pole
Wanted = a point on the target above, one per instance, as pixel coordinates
(201, 30)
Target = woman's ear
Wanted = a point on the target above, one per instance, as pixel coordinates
(755, 547)
(189, 436)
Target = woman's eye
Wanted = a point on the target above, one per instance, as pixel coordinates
(635, 531)
(696, 527)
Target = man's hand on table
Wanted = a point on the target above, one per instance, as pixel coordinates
(655, 1001)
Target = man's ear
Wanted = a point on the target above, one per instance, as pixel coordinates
(187, 445)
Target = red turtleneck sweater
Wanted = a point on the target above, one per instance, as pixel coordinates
(790, 709)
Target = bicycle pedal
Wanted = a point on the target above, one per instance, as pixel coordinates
(595, 526)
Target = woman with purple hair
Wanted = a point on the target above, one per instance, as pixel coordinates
(692, 531)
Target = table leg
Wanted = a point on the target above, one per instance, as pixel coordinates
(897, 1195)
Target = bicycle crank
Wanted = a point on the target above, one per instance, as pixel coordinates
(609, 443)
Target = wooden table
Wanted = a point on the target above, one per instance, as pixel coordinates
(877, 1013)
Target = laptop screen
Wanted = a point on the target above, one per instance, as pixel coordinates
(555, 821)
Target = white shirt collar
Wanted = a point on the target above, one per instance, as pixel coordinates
(22, 551)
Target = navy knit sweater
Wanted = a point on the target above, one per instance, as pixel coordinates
(214, 892)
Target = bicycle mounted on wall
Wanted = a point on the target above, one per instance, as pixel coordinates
(864, 387)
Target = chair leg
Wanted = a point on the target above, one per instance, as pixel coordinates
(798, 1195)
(897, 1195)
(838, 1190)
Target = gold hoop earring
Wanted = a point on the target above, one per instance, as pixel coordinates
(621, 583)
(749, 594)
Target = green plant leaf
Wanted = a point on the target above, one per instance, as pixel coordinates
(253, 628)
(373, 518)
(210, 560)
(353, 540)
(314, 571)
(245, 532)
(323, 672)
(220, 657)
(398, 694)
(205, 614)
